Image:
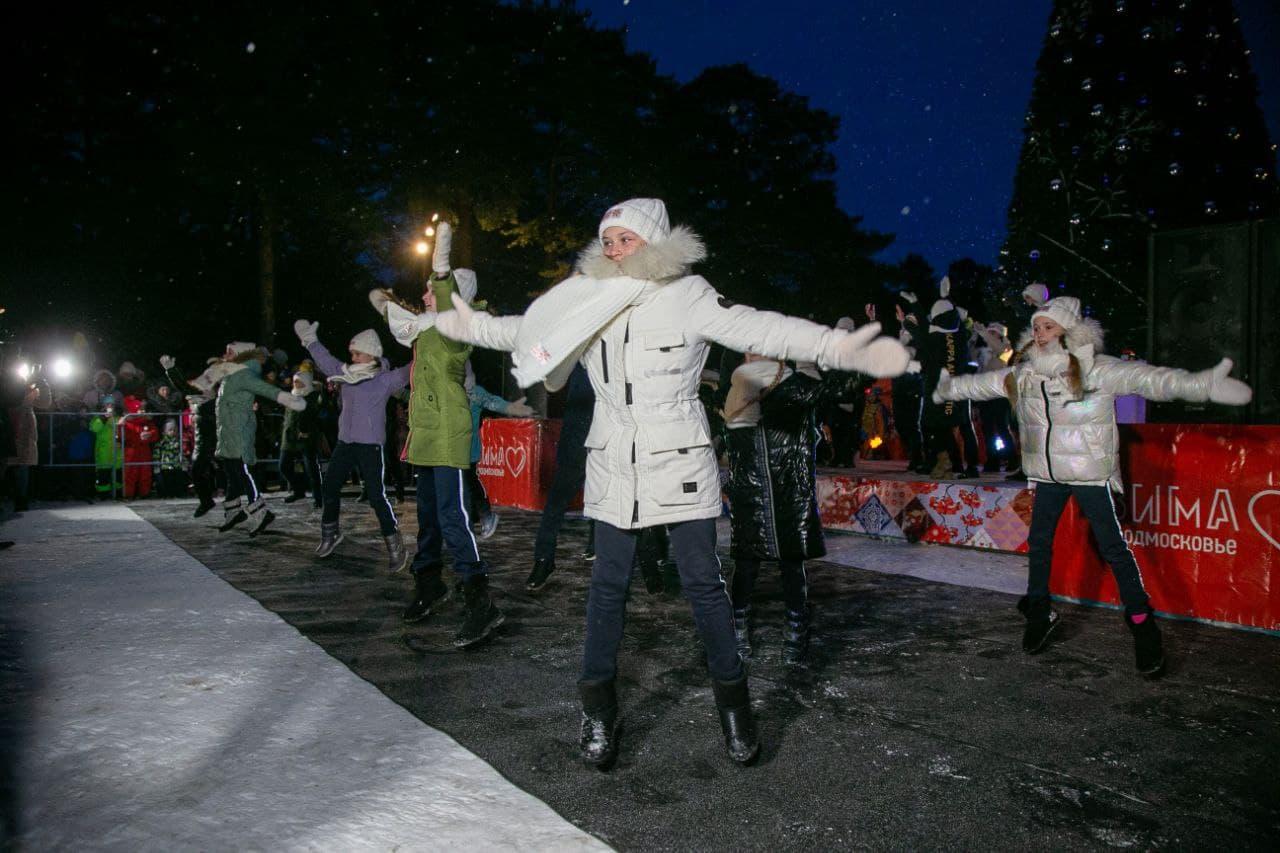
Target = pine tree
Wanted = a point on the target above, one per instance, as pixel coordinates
(1143, 115)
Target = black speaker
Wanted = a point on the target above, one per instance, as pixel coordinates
(1204, 302)
(1265, 372)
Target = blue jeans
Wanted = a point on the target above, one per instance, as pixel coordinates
(444, 518)
(693, 544)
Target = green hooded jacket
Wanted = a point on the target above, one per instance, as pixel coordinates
(237, 425)
(439, 411)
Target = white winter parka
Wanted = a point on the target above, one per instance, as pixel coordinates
(1070, 440)
(650, 459)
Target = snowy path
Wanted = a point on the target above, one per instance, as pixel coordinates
(161, 709)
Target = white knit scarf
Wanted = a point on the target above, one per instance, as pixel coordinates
(354, 374)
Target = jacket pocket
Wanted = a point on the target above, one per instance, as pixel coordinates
(665, 340)
(599, 471)
(681, 465)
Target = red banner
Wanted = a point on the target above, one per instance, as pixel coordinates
(1201, 511)
(518, 460)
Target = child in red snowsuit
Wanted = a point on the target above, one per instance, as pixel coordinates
(139, 434)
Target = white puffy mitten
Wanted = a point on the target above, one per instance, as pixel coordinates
(291, 401)
(519, 409)
(863, 352)
(1224, 389)
(944, 384)
(444, 243)
(456, 324)
(168, 362)
(378, 298)
(305, 331)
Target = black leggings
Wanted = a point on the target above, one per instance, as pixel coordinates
(795, 584)
(1098, 506)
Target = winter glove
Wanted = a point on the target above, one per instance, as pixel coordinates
(378, 298)
(444, 242)
(306, 332)
(863, 352)
(456, 324)
(944, 386)
(291, 401)
(168, 362)
(519, 408)
(1224, 389)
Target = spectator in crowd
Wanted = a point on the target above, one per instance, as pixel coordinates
(107, 456)
(173, 479)
(482, 400)
(103, 392)
(22, 398)
(300, 439)
(140, 434)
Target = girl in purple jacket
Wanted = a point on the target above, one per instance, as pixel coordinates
(365, 385)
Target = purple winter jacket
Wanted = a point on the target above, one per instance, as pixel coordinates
(363, 419)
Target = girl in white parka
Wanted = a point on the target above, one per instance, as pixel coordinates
(642, 325)
(1064, 392)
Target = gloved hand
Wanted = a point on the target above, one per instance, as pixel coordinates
(862, 352)
(944, 385)
(444, 243)
(519, 408)
(291, 401)
(378, 298)
(1224, 389)
(305, 331)
(456, 324)
(168, 362)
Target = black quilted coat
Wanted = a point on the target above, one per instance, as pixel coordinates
(772, 505)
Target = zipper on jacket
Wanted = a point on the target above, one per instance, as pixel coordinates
(1048, 459)
(604, 359)
(768, 487)
(626, 339)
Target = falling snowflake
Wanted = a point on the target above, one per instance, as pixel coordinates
(906, 210)
(250, 47)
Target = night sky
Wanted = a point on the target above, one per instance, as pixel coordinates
(930, 93)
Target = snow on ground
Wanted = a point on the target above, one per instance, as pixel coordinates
(159, 708)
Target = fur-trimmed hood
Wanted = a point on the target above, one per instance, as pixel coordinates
(660, 262)
(1084, 341)
(107, 373)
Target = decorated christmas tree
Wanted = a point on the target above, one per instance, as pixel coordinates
(1143, 115)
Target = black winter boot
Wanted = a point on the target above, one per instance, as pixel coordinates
(734, 704)
(1041, 622)
(542, 569)
(479, 614)
(742, 630)
(1148, 645)
(601, 727)
(429, 594)
(795, 638)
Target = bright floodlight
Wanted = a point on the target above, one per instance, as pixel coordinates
(435, 217)
(431, 232)
(23, 370)
(61, 368)
(422, 248)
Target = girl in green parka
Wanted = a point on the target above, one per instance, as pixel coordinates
(107, 454)
(439, 448)
(237, 428)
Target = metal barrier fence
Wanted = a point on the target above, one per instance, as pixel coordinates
(58, 430)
